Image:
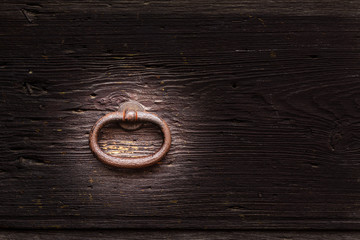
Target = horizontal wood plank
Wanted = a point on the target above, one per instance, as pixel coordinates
(176, 234)
(262, 100)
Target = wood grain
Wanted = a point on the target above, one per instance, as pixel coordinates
(262, 100)
(177, 234)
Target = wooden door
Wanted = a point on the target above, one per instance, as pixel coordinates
(261, 97)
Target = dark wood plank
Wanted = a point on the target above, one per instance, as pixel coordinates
(262, 100)
(176, 234)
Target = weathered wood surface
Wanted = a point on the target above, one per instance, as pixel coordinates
(178, 234)
(262, 99)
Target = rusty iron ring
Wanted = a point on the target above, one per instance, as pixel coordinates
(129, 162)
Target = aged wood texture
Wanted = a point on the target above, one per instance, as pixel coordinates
(262, 100)
(178, 234)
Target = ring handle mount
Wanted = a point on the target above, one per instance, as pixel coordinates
(131, 106)
(132, 118)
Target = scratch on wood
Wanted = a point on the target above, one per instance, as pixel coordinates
(28, 15)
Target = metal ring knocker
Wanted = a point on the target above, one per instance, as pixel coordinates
(132, 117)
